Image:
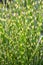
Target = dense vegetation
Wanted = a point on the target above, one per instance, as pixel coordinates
(20, 27)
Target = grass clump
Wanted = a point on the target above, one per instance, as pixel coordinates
(20, 28)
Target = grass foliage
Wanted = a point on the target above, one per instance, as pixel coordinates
(20, 27)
